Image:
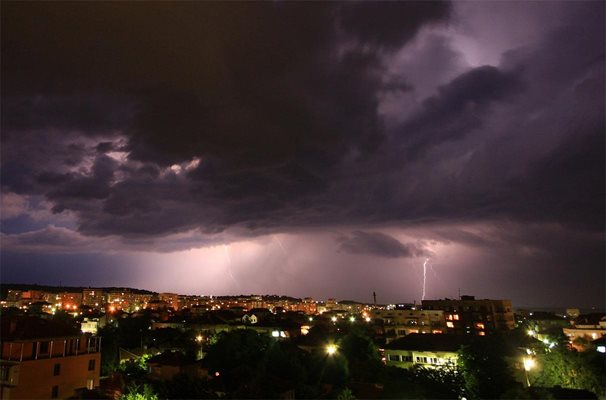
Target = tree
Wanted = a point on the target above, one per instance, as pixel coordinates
(236, 356)
(485, 371)
(443, 382)
(136, 392)
(362, 355)
(110, 354)
(573, 370)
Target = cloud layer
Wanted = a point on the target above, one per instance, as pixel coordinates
(172, 126)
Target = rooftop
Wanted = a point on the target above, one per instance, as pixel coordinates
(23, 328)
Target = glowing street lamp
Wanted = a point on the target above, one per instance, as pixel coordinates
(352, 319)
(331, 349)
(333, 319)
(529, 364)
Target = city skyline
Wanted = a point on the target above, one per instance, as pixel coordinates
(413, 149)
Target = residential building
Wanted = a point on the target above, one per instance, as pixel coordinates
(308, 306)
(586, 328)
(41, 359)
(425, 350)
(70, 300)
(89, 325)
(171, 299)
(396, 323)
(471, 316)
(94, 298)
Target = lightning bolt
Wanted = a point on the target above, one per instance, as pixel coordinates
(277, 239)
(424, 278)
(231, 275)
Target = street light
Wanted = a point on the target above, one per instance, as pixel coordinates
(331, 349)
(199, 339)
(529, 364)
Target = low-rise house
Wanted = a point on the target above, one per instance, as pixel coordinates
(586, 328)
(425, 350)
(165, 366)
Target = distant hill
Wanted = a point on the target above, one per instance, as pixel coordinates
(5, 287)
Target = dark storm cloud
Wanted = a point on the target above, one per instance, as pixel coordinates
(458, 107)
(379, 245)
(264, 94)
(390, 24)
(88, 114)
(265, 117)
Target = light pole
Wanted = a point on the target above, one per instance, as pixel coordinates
(200, 339)
(529, 364)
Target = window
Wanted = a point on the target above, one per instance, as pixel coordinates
(4, 373)
(407, 358)
(91, 365)
(55, 392)
(56, 369)
(449, 324)
(393, 357)
(90, 384)
(43, 347)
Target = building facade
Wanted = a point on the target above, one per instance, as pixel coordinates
(471, 316)
(42, 359)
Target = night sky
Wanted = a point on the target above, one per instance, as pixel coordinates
(308, 149)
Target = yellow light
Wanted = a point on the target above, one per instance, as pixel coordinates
(331, 349)
(531, 332)
(528, 363)
(199, 338)
(352, 319)
(333, 319)
(367, 319)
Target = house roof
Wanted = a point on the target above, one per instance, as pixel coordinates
(171, 358)
(26, 327)
(431, 342)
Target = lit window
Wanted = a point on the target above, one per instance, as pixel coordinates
(449, 324)
(456, 317)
